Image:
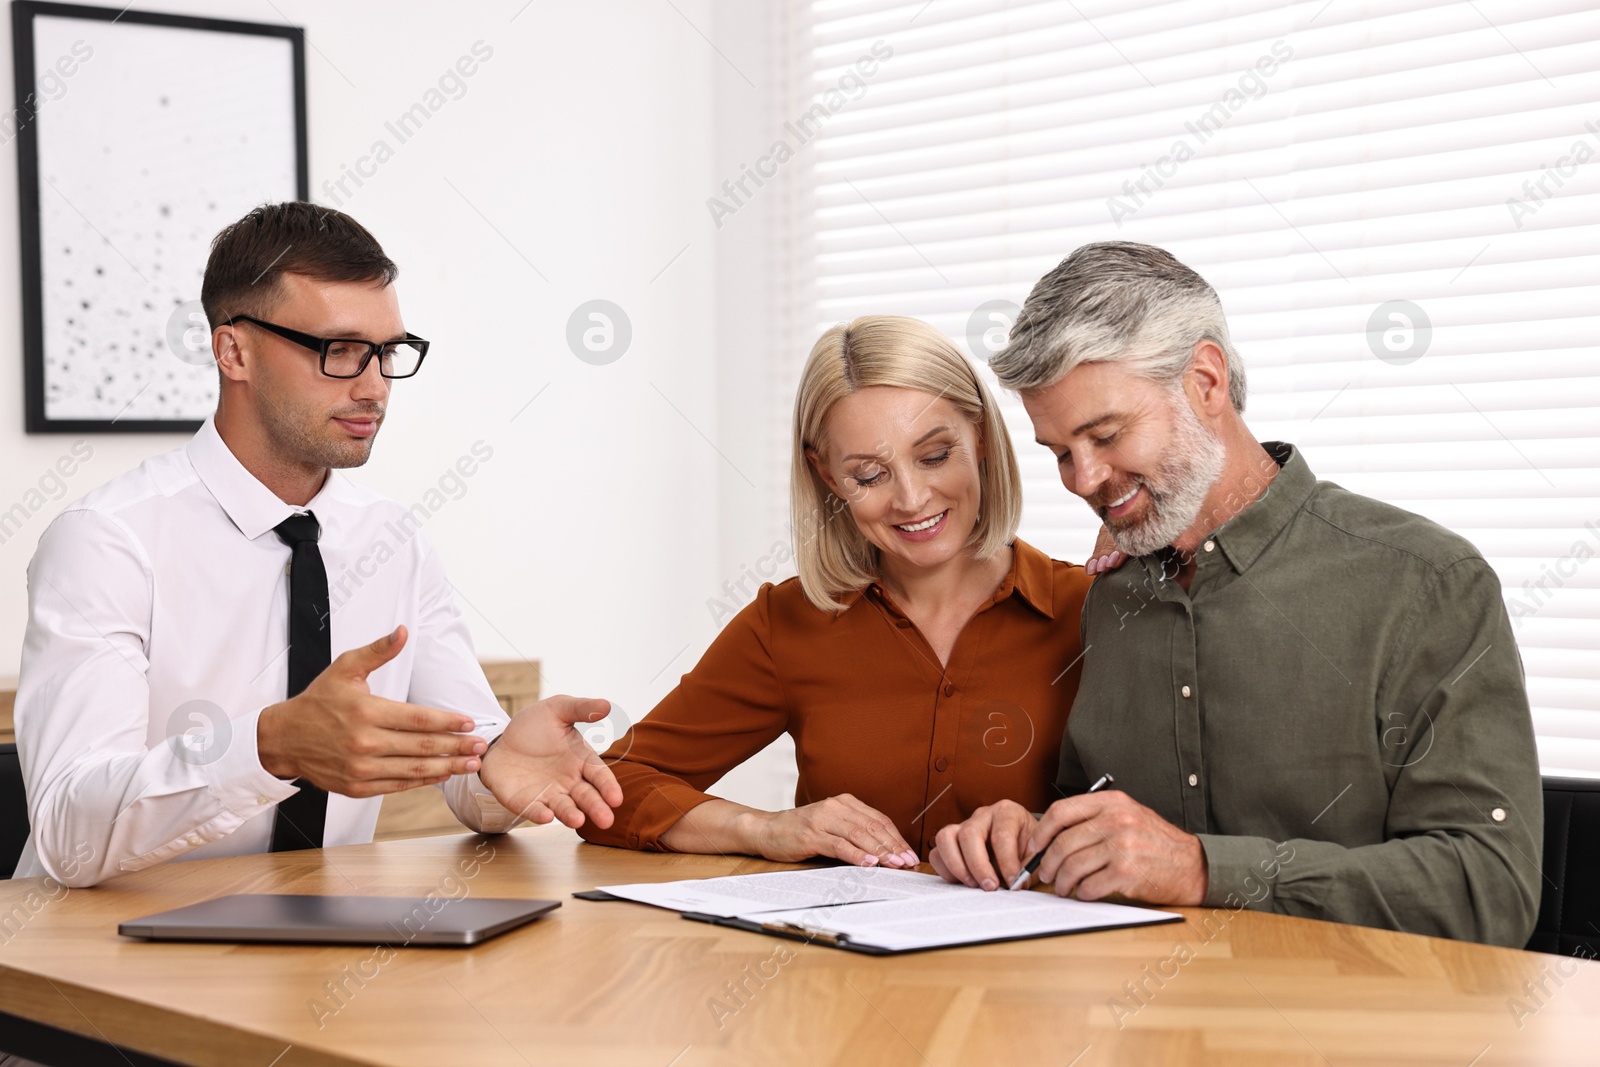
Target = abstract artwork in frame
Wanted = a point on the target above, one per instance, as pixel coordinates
(139, 136)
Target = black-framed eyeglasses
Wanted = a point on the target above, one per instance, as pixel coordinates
(347, 357)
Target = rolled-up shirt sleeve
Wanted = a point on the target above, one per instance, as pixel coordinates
(728, 708)
(1465, 817)
(101, 800)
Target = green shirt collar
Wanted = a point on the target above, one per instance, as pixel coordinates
(1244, 537)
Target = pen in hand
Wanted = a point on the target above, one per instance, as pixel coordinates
(1033, 865)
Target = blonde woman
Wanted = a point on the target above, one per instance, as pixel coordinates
(924, 659)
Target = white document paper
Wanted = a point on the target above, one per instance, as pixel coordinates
(751, 894)
(881, 908)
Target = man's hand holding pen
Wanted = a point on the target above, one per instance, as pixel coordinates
(1089, 846)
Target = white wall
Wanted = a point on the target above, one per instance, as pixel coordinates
(750, 306)
(592, 540)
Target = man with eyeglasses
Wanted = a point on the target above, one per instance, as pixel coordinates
(188, 690)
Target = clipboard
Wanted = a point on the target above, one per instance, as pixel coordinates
(818, 935)
(876, 912)
(596, 894)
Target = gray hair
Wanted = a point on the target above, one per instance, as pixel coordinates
(1116, 302)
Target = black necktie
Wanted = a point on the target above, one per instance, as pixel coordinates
(299, 820)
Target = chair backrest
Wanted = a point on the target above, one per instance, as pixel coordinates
(1569, 909)
(13, 810)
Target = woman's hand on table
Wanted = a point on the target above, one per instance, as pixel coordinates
(840, 827)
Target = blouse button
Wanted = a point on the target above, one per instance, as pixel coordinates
(1194, 779)
(1498, 815)
(940, 764)
(949, 689)
(1186, 692)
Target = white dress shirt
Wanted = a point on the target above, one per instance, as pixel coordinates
(158, 629)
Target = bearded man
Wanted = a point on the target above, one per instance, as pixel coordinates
(1310, 701)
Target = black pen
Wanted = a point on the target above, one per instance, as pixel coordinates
(1033, 865)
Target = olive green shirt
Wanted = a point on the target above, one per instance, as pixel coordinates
(1335, 707)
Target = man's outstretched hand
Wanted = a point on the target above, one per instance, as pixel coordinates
(340, 737)
(542, 768)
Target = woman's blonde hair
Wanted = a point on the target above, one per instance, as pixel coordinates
(831, 554)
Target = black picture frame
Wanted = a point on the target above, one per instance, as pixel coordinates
(29, 112)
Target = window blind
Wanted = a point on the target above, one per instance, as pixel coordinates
(1399, 204)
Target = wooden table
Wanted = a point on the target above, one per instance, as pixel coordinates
(603, 984)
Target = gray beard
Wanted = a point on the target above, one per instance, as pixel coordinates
(1178, 487)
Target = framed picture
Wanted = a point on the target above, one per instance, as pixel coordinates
(139, 136)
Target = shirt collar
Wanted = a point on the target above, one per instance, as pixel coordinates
(1244, 537)
(251, 506)
(1032, 577)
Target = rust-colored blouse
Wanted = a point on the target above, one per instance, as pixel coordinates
(870, 710)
